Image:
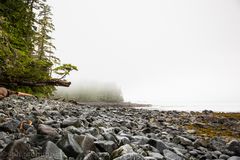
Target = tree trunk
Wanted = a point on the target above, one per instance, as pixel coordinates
(51, 82)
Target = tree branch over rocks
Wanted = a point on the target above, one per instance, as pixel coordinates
(51, 82)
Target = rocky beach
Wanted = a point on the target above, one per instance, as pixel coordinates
(44, 129)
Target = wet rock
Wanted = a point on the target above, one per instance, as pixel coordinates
(125, 133)
(203, 149)
(234, 158)
(3, 135)
(122, 150)
(155, 155)
(17, 149)
(50, 122)
(200, 142)
(193, 152)
(150, 158)
(182, 140)
(86, 142)
(142, 152)
(217, 153)
(93, 131)
(47, 130)
(41, 140)
(207, 156)
(72, 121)
(98, 123)
(234, 146)
(2, 144)
(69, 146)
(160, 145)
(42, 158)
(110, 137)
(223, 156)
(53, 152)
(91, 156)
(141, 140)
(104, 155)
(10, 126)
(130, 156)
(114, 130)
(217, 144)
(148, 147)
(169, 155)
(106, 146)
(73, 130)
(123, 140)
(180, 151)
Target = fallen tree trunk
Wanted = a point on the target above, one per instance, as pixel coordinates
(51, 82)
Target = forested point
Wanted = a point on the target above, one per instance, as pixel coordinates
(27, 60)
(92, 92)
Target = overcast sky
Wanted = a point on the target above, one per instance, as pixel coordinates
(155, 50)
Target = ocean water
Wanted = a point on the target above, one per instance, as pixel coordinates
(230, 107)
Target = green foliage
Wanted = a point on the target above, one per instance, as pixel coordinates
(94, 92)
(26, 49)
(64, 70)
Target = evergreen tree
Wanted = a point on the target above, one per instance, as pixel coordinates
(26, 49)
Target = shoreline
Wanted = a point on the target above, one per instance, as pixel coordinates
(111, 104)
(179, 108)
(186, 108)
(68, 130)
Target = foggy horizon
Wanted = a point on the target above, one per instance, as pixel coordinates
(161, 52)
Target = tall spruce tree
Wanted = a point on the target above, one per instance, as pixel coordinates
(26, 49)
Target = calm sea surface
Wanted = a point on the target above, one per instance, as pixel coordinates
(197, 107)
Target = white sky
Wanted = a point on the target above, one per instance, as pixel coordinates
(156, 50)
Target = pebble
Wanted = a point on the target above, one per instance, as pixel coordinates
(68, 131)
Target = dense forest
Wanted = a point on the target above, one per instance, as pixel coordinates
(26, 47)
(92, 92)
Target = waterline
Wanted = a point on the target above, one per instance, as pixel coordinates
(188, 108)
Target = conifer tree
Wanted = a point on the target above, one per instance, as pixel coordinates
(26, 49)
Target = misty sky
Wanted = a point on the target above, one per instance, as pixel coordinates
(157, 51)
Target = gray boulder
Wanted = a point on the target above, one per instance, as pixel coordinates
(160, 145)
(123, 140)
(91, 156)
(149, 158)
(72, 121)
(122, 150)
(106, 146)
(86, 142)
(47, 130)
(183, 141)
(42, 158)
(110, 137)
(234, 158)
(223, 156)
(141, 140)
(104, 155)
(53, 152)
(130, 156)
(73, 130)
(17, 149)
(10, 126)
(69, 146)
(169, 155)
(157, 156)
(234, 146)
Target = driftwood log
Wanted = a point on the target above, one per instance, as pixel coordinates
(51, 82)
(4, 92)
